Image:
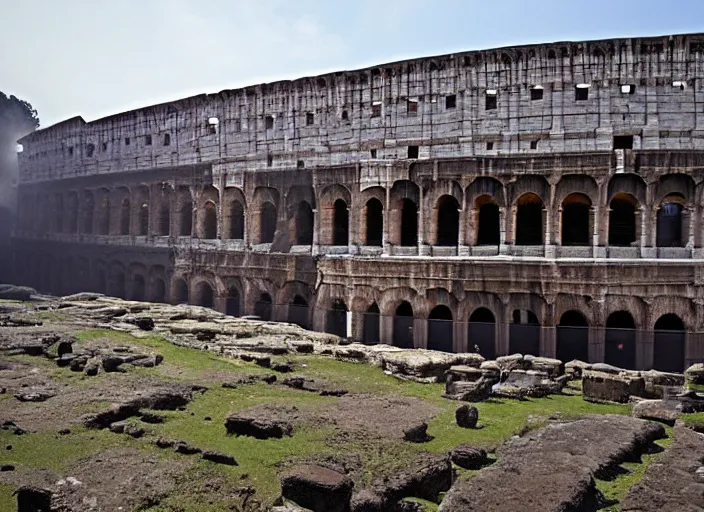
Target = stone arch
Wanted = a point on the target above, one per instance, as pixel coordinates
(296, 296)
(207, 213)
(263, 306)
(530, 184)
(73, 208)
(438, 189)
(88, 212)
(527, 312)
(371, 325)
(179, 291)
(482, 332)
(403, 335)
(530, 220)
(138, 287)
(233, 299)
(675, 183)
(405, 198)
(669, 344)
(336, 318)
(371, 222)
(234, 207)
(103, 212)
(620, 341)
(117, 280)
(447, 221)
(627, 183)
(164, 198)
(184, 210)
(204, 294)
(576, 183)
(141, 201)
(157, 284)
(335, 201)
(624, 229)
(572, 337)
(486, 186)
(440, 329)
(576, 219)
(300, 206)
(265, 213)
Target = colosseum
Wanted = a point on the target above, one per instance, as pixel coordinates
(542, 199)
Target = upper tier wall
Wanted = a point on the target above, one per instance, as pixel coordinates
(379, 112)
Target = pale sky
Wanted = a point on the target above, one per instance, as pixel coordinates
(95, 58)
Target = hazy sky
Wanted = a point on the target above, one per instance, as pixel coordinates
(95, 57)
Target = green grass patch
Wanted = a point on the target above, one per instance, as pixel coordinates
(7, 500)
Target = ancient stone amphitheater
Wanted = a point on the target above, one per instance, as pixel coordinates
(543, 199)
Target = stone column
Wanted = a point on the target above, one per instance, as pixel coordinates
(503, 226)
(420, 333)
(597, 345)
(502, 328)
(596, 253)
(462, 245)
(352, 231)
(644, 349)
(691, 217)
(386, 247)
(422, 250)
(315, 250)
(386, 329)
(549, 247)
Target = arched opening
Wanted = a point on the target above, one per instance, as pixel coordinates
(125, 217)
(267, 223)
(118, 285)
(440, 329)
(88, 213)
(298, 312)
(143, 219)
(529, 220)
(370, 329)
(482, 333)
(622, 220)
(336, 320)
(232, 304)
(448, 222)
(204, 295)
(101, 285)
(186, 217)
(236, 221)
(374, 222)
(489, 225)
(409, 223)
(58, 213)
(73, 212)
(164, 219)
(669, 344)
(159, 290)
(524, 333)
(210, 221)
(340, 223)
(138, 287)
(573, 337)
(262, 308)
(669, 222)
(104, 215)
(180, 292)
(403, 326)
(620, 350)
(576, 210)
(304, 224)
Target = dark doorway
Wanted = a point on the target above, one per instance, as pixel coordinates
(620, 350)
(340, 223)
(267, 223)
(304, 224)
(576, 210)
(370, 330)
(118, 288)
(440, 329)
(482, 333)
(573, 337)
(409, 223)
(159, 291)
(232, 304)
(237, 221)
(622, 221)
(205, 295)
(104, 220)
(669, 227)
(529, 220)
(180, 292)
(125, 217)
(262, 308)
(89, 210)
(186, 218)
(524, 333)
(403, 326)
(298, 312)
(336, 321)
(101, 282)
(375, 222)
(143, 220)
(165, 220)
(448, 222)
(210, 221)
(669, 344)
(138, 286)
(489, 230)
(73, 213)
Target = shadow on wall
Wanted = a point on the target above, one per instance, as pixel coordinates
(6, 219)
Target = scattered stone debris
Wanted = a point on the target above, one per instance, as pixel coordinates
(12, 427)
(469, 457)
(35, 395)
(258, 428)
(467, 416)
(317, 488)
(184, 448)
(219, 458)
(6, 467)
(12, 292)
(33, 499)
(657, 410)
(150, 417)
(417, 434)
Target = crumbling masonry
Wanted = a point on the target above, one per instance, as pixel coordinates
(543, 199)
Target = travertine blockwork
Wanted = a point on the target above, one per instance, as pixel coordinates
(542, 199)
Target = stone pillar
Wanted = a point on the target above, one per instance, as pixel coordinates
(460, 336)
(386, 329)
(692, 220)
(596, 252)
(502, 329)
(386, 247)
(422, 249)
(548, 341)
(420, 333)
(597, 347)
(549, 247)
(352, 231)
(462, 246)
(644, 349)
(503, 226)
(315, 250)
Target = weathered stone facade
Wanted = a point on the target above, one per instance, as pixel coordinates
(540, 199)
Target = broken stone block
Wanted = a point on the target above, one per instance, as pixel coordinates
(466, 416)
(317, 488)
(598, 386)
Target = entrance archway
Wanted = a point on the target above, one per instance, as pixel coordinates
(403, 326)
(232, 304)
(669, 344)
(482, 333)
(267, 223)
(669, 222)
(336, 321)
(409, 223)
(576, 209)
(204, 295)
(524, 333)
(370, 330)
(573, 337)
(159, 290)
(210, 221)
(622, 220)
(489, 229)
(298, 312)
(304, 224)
(529, 220)
(340, 223)
(440, 329)
(125, 217)
(236, 221)
(448, 222)
(375, 222)
(138, 286)
(620, 350)
(262, 308)
(180, 292)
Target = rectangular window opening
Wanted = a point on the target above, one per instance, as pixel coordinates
(534, 144)
(581, 92)
(345, 115)
(628, 89)
(310, 119)
(376, 109)
(489, 146)
(536, 93)
(623, 142)
(412, 151)
(412, 107)
(148, 140)
(238, 126)
(372, 153)
(105, 146)
(451, 101)
(269, 122)
(490, 100)
(127, 141)
(269, 160)
(300, 164)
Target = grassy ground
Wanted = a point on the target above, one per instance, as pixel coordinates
(260, 461)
